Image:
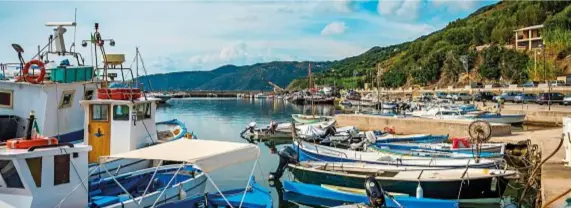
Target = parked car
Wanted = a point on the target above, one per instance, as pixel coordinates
(462, 96)
(484, 96)
(549, 98)
(567, 99)
(557, 83)
(476, 85)
(441, 95)
(450, 96)
(507, 96)
(525, 98)
(530, 84)
(426, 96)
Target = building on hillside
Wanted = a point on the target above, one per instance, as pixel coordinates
(528, 38)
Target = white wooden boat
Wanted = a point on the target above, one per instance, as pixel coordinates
(316, 152)
(308, 119)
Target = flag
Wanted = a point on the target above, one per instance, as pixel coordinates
(92, 38)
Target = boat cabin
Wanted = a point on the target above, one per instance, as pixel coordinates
(51, 90)
(43, 176)
(117, 126)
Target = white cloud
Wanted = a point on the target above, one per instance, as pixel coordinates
(334, 28)
(387, 7)
(456, 5)
(407, 9)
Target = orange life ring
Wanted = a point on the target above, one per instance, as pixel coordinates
(25, 144)
(34, 79)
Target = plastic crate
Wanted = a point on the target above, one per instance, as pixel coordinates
(68, 74)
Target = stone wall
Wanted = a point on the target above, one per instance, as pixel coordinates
(415, 125)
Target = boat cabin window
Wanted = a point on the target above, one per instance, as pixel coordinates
(88, 94)
(66, 99)
(6, 98)
(121, 112)
(35, 166)
(61, 169)
(99, 112)
(9, 175)
(143, 111)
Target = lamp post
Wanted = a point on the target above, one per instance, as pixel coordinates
(542, 46)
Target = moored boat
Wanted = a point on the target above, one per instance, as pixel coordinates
(316, 152)
(436, 183)
(308, 119)
(336, 197)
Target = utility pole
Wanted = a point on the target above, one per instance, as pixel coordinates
(464, 60)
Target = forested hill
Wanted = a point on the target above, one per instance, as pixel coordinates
(485, 39)
(230, 77)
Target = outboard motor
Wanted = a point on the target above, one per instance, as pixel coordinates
(375, 192)
(250, 128)
(287, 155)
(273, 127)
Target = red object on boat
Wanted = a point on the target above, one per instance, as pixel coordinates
(22, 143)
(460, 143)
(119, 93)
(389, 130)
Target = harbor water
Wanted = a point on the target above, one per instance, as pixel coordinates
(223, 119)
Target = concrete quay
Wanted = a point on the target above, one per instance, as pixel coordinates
(415, 125)
(555, 177)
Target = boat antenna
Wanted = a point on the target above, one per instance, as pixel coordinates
(74, 30)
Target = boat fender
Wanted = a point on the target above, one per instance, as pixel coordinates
(374, 192)
(181, 192)
(419, 192)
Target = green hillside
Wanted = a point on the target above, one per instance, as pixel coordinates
(435, 59)
(230, 77)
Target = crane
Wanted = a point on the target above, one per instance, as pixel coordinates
(276, 87)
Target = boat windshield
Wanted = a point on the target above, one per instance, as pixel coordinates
(9, 175)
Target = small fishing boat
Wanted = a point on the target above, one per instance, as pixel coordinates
(445, 147)
(404, 151)
(316, 152)
(385, 137)
(172, 130)
(308, 119)
(389, 105)
(321, 132)
(106, 192)
(337, 197)
(255, 196)
(437, 183)
(282, 130)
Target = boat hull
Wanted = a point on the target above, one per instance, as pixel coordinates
(449, 189)
(313, 152)
(309, 119)
(320, 193)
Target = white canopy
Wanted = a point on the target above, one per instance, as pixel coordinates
(208, 155)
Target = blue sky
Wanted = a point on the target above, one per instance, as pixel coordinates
(202, 35)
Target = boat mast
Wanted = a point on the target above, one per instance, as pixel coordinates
(310, 92)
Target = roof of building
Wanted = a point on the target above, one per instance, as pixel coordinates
(529, 28)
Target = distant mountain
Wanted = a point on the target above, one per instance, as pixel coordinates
(230, 77)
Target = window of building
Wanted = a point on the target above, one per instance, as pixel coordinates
(6, 97)
(66, 99)
(143, 111)
(99, 112)
(61, 169)
(121, 112)
(35, 166)
(88, 94)
(10, 174)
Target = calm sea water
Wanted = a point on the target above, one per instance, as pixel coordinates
(224, 119)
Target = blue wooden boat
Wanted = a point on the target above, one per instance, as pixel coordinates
(256, 197)
(384, 137)
(105, 192)
(411, 150)
(438, 150)
(320, 193)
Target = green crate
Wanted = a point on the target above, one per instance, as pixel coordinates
(64, 74)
